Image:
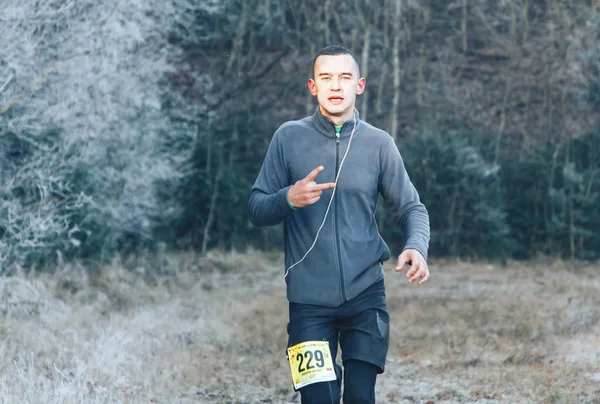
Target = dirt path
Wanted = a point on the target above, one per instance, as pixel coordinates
(214, 331)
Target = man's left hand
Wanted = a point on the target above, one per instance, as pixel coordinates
(418, 266)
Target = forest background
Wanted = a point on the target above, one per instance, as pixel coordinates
(130, 126)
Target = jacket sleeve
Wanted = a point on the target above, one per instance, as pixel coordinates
(268, 197)
(403, 199)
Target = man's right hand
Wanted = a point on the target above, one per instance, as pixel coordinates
(306, 191)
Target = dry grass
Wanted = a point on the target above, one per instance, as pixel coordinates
(212, 329)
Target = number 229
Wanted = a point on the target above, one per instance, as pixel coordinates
(308, 355)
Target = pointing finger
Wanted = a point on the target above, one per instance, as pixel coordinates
(325, 185)
(313, 174)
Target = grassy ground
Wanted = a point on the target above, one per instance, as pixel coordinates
(212, 330)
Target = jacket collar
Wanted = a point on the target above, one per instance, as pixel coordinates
(326, 127)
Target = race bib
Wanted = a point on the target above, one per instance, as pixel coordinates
(311, 362)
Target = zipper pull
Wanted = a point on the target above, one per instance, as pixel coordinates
(337, 138)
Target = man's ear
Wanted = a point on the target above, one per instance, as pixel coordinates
(312, 87)
(360, 86)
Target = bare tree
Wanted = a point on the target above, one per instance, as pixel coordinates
(396, 58)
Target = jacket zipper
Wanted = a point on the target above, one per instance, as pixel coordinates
(336, 220)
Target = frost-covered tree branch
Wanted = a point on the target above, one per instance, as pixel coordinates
(89, 143)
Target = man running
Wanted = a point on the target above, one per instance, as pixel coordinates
(322, 177)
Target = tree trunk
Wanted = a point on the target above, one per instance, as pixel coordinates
(382, 81)
(309, 97)
(213, 202)
(536, 199)
(569, 188)
(238, 43)
(396, 102)
(513, 22)
(502, 120)
(365, 69)
(453, 226)
(383, 71)
(525, 18)
(549, 202)
(586, 197)
(526, 137)
(421, 75)
(463, 27)
(421, 86)
(327, 6)
(268, 19)
(208, 150)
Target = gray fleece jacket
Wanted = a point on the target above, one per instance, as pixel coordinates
(348, 254)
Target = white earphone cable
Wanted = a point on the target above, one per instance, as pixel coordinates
(330, 200)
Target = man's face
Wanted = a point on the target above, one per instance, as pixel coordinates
(336, 84)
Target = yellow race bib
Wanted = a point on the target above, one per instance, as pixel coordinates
(310, 363)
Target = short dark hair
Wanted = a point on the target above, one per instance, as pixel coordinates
(334, 50)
